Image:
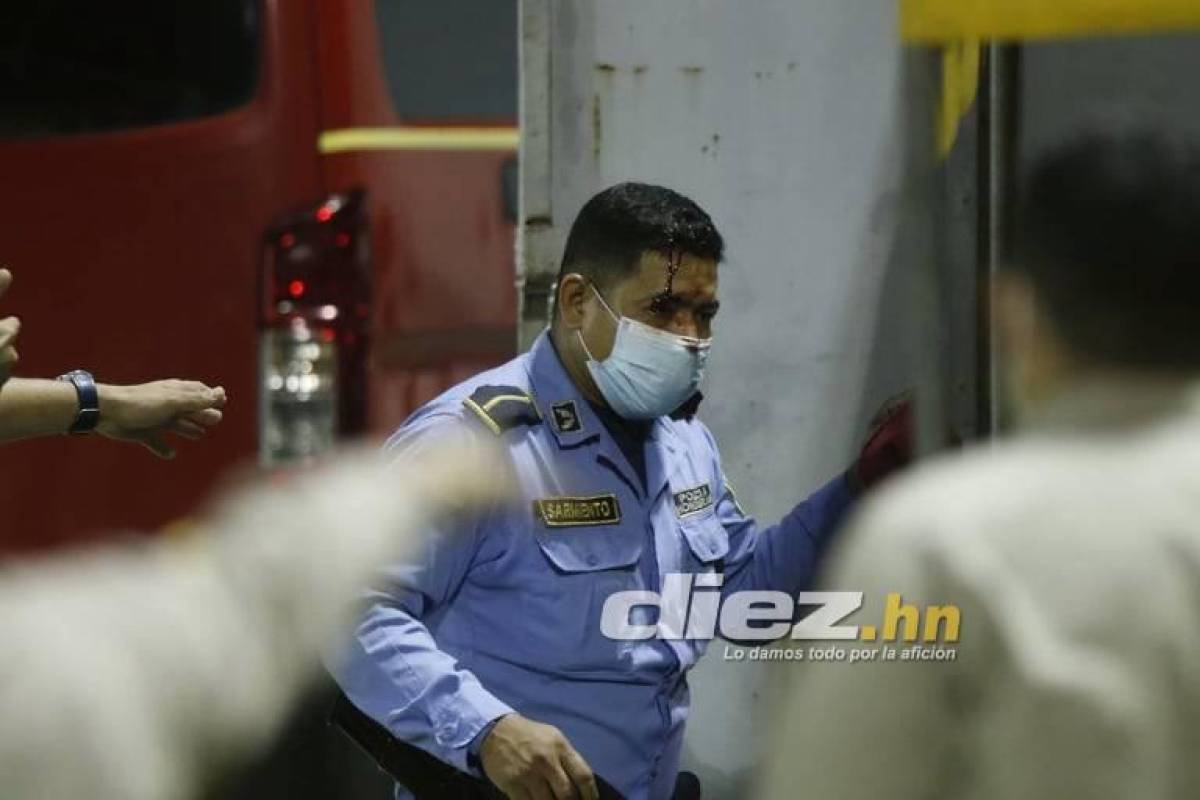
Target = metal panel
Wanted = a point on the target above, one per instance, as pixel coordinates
(536, 257)
(807, 133)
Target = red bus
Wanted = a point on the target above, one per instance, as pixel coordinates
(309, 202)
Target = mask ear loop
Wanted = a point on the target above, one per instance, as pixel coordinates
(586, 351)
(607, 308)
(611, 313)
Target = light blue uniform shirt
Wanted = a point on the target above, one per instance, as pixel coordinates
(504, 613)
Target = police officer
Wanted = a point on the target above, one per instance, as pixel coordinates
(488, 653)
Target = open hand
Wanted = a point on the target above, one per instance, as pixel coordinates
(146, 412)
(889, 444)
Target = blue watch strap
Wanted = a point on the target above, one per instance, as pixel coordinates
(88, 413)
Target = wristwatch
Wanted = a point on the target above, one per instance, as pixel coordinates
(89, 401)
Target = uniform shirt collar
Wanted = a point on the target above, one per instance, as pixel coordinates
(569, 415)
(565, 410)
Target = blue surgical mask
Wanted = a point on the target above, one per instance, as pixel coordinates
(649, 372)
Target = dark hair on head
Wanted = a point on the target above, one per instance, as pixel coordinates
(617, 225)
(1108, 231)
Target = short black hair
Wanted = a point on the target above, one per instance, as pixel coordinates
(617, 225)
(1108, 231)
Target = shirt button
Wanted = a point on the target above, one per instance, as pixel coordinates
(446, 731)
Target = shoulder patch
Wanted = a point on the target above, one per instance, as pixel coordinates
(693, 501)
(503, 408)
(566, 417)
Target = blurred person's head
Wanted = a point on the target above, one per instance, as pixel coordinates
(640, 253)
(1105, 273)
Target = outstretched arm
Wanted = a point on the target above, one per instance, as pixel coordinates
(144, 413)
(784, 556)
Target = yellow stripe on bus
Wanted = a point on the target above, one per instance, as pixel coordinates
(349, 140)
(936, 21)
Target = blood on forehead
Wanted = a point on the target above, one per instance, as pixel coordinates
(674, 261)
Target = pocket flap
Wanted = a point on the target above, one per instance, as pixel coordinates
(590, 549)
(706, 537)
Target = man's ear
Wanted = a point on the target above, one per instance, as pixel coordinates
(572, 294)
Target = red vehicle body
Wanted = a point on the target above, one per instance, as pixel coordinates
(137, 248)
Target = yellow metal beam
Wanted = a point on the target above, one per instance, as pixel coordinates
(960, 86)
(939, 21)
(348, 140)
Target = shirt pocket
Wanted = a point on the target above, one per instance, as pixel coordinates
(706, 538)
(564, 603)
(590, 548)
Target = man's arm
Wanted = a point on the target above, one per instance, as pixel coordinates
(784, 556)
(393, 670)
(143, 413)
(30, 407)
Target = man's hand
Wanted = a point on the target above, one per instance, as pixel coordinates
(889, 445)
(9, 328)
(145, 412)
(531, 761)
(129, 413)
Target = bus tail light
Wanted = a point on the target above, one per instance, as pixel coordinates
(314, 321)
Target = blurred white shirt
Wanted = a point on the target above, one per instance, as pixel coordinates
(1073, 554)
(141, 672)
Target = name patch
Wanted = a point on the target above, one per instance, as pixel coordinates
(691, 501)
(564, 512)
